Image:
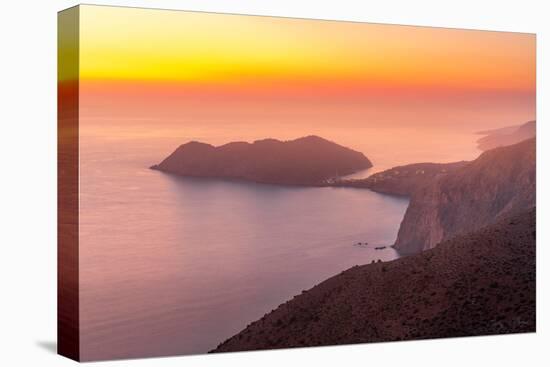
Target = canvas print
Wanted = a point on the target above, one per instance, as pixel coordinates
(235, 183)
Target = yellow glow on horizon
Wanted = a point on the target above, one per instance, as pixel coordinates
(128, 44)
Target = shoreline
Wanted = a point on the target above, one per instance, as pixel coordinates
(418, 184)
(412, 298)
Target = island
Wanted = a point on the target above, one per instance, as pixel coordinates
(310, 161)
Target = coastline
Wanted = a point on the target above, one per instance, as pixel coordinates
(466, 240)
(423, 296)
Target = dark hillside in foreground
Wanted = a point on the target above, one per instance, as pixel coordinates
(476, 284)
(305, 161)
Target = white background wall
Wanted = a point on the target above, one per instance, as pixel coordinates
(28, 183)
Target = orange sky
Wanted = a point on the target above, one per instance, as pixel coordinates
(200, 48)
(155, 56)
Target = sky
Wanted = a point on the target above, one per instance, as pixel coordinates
(172, 63)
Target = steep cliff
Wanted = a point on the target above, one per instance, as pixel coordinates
(475, 284)
(305, 161)
(500, 182)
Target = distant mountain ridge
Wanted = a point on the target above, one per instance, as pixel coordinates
(506, 136)
(310, 160)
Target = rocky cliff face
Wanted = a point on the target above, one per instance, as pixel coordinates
(500, 182)
(475, 284)
(305, 161)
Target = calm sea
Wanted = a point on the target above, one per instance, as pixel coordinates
(173, 265)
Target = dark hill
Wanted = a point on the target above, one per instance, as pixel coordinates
(476, 284)
(309, 160)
